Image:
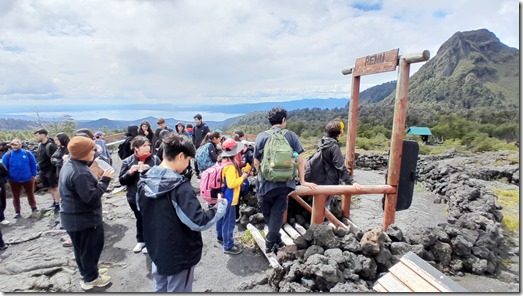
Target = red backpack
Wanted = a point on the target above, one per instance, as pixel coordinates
(211, 182)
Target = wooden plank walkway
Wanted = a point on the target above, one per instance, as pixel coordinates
(413, 274)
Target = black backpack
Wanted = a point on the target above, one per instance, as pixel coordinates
(315, 168)
(124, 149)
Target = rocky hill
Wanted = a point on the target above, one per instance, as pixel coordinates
(473, 75)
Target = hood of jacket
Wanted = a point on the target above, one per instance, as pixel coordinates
(158, 181)
(179, 123)
(132, 131)
(327, 142)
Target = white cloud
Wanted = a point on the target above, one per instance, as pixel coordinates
(133, 52)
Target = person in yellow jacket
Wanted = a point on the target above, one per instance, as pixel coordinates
(232, 178)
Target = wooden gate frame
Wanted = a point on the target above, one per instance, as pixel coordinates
(372, 64)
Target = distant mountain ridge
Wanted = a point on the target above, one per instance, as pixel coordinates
(9, 123)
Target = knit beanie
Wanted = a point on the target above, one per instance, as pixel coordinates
(79, 147)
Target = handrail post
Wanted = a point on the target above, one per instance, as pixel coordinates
(398, 129)
(345, 205)
(352, 127)
(396, 144)
(318, 209)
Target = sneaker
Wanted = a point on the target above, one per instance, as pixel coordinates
(5, 222)
(144, 251)
(67, 243)
(280, 245)
(269, 248)
(17, 215)
(139, 247)
(34, 210)
(235, 250)
(102, 271)
(52, 205)
(100, 281)
(220, 240)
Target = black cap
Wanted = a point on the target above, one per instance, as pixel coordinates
(198, 116)
(41, 131)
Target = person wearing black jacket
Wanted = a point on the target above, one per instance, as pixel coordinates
(125, 150)
(81, 210)
(46, 170)
(4, 173)
(146, 130)
(200, 132)
(132, 167)
(333, 162)
(173, 218)
(57, 159)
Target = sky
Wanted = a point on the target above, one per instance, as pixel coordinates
(83, 57)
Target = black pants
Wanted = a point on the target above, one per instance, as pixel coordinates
(3, 200)
(2, 244)
(139, 225)
(274, 205)
(88, 245)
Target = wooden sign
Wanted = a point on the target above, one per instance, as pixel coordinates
(376, 63)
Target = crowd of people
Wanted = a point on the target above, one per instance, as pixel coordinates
(156, 169)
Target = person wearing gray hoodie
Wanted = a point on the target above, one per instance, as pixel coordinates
(180, 129)
(173, 217)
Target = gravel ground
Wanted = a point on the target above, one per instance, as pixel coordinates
(42, 264)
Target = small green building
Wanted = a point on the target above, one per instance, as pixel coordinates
(422, 131)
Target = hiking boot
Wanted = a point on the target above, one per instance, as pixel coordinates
(235, 250)
(100, 281)
(144, 251)
(139, 247)
(17, 215)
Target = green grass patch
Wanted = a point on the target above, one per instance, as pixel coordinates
(509, 199)
(247, 238)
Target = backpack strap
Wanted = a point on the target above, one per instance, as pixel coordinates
(48, 148)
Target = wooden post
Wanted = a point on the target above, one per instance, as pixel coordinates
(318, 209)
(345, 205)
(351, 139)
(396, 144)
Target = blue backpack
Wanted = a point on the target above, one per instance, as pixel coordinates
(203, 158)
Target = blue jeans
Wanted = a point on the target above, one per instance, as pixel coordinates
(274, 205)
(225, 227)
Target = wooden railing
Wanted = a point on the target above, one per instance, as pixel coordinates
(318, 210)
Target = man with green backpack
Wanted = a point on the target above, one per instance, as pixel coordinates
(278, 159)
